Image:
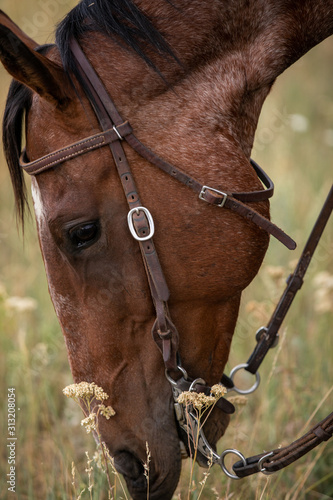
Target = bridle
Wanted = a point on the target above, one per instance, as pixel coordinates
(141, 225)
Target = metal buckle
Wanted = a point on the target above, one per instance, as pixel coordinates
(263, 331)
(116, 131)
(131, 225)
(260, 463)
(260, 332)
(204, 189)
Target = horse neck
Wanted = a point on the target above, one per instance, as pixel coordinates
(230, 53)
(215, 88)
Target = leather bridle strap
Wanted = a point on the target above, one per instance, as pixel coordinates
(97, 86)
(267, 336)
(73, 150)
(275, 460)
(93, 86)
(164, 331)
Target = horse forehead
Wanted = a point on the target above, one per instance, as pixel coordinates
(50, 128)
(81, 183)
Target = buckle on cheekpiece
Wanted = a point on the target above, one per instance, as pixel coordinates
(137, 210)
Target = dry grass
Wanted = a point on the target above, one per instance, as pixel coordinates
(295, 145)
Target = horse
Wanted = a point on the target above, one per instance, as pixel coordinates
(186, 81)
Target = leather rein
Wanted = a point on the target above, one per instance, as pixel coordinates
(141, 225)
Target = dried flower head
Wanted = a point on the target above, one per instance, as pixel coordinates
(106, 411)
(89, 422)
(238, 400)
(100, 395)
(85, 391)
(218, 391)
(198, 400)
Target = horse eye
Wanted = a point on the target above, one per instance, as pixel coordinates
(84, 235)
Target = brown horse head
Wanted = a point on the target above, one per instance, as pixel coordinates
(194, 97)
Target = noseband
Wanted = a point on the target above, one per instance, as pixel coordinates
(141, 225)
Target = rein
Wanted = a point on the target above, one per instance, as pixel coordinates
(141, 225)
(267, 338)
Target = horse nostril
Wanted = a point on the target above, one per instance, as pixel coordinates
(128, 465)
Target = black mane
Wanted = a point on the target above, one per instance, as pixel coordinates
(120, 19)
(18, 103)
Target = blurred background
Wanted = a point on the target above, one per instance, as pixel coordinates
(294, 144)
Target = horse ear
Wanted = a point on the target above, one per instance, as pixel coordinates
(34, 70)
(6, 21)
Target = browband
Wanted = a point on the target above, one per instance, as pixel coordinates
(119, 133)
(73, 150)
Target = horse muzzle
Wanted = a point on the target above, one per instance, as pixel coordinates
(159, 481)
